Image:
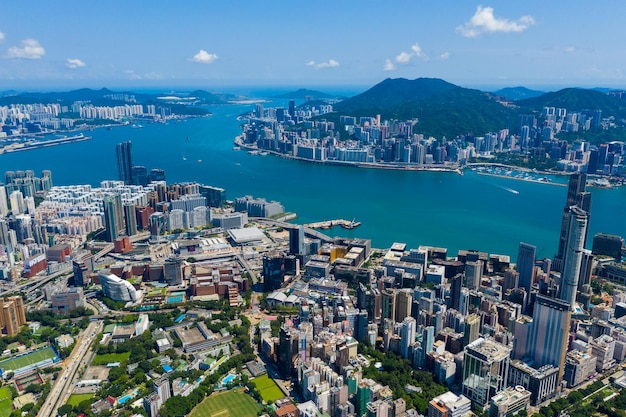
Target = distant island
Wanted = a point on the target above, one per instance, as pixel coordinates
(303, 93)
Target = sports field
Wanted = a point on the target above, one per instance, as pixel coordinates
(5, 402)
(110, 358)
(268, 389)
(227, 404)
(76, 399)
(28, 359)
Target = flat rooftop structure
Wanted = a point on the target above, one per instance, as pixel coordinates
(246, 235)
(189, 336)
(398, 247)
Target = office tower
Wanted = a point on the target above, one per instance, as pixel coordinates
(485, 370)
(573, 254)
(113, 216)
(456, 283)
(12, 315)
(404, 300)
(296, 240)
(157, 226)
(472, 329)
(273, 271)
(156, 174)
(130, 219)
(526, 265)
(124, 162)
(576, 196)
(586, 266)
(4, 204)
(292, 108)
(139, 175)
(473, 274)
(549, 332)
(388, 301)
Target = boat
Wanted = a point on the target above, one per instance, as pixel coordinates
(236, 148)
(136, 126)
(264, 153)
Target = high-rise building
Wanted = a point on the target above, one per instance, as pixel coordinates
(549, 332)
(573, 254)
(162, 387)
(404, 300)
(576, 196)
(407, 336)
(473, 274)
(273, 271)
(526, 265)
(485, 370)
(472, 329)
(296, 240)
(113, 216)
(124, 162)
(12, 315)
(157, 226)
(130, 219)
(4, 204)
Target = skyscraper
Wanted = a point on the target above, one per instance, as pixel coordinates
(576, 196)
(4, 205)
(573, 254)
(526, 265)
(124, 163)
(296, 240)
(130, 219)
(485, 370)
(113, 216)
(549, 332)
(407, 336)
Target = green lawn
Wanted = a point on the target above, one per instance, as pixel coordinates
(268, 389)
(110, 358)
(5, 402)
(227, 404)
(20, 362)
(76, 399)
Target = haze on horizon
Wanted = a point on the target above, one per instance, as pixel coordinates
(217, 45)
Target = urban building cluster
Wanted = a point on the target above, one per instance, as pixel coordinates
(501, 336)
(295, 133)
(20, 119)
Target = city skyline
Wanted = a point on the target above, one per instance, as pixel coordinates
(220, 45)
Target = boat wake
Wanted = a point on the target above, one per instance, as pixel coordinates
(510, 190)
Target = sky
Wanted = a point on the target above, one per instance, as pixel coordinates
(221, 44)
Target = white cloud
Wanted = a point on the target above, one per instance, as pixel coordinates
(389, 66)
(203, 57)
(570, 49)
(416, 51)
(484, 21)
(444, 56)
(74, 63)
(331, 63)
(403, 58)
(31, 49)
(1, 36)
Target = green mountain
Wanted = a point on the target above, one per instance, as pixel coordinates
(302, 93)
(518, 93)
(442, 108)
(577, 99)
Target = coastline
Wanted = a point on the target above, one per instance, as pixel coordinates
(372, 165)
(19, 147)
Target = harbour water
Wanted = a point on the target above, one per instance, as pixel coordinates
(443, 209)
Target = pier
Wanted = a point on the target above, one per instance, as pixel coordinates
(328, 224)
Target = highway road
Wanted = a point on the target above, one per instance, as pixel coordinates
(61, 389)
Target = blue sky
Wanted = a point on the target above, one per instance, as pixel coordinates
(220, 44)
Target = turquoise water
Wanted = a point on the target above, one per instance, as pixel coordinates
(125, 398)
(418, 208)
(227, 379)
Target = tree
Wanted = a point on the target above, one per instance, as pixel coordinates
(65, 409)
